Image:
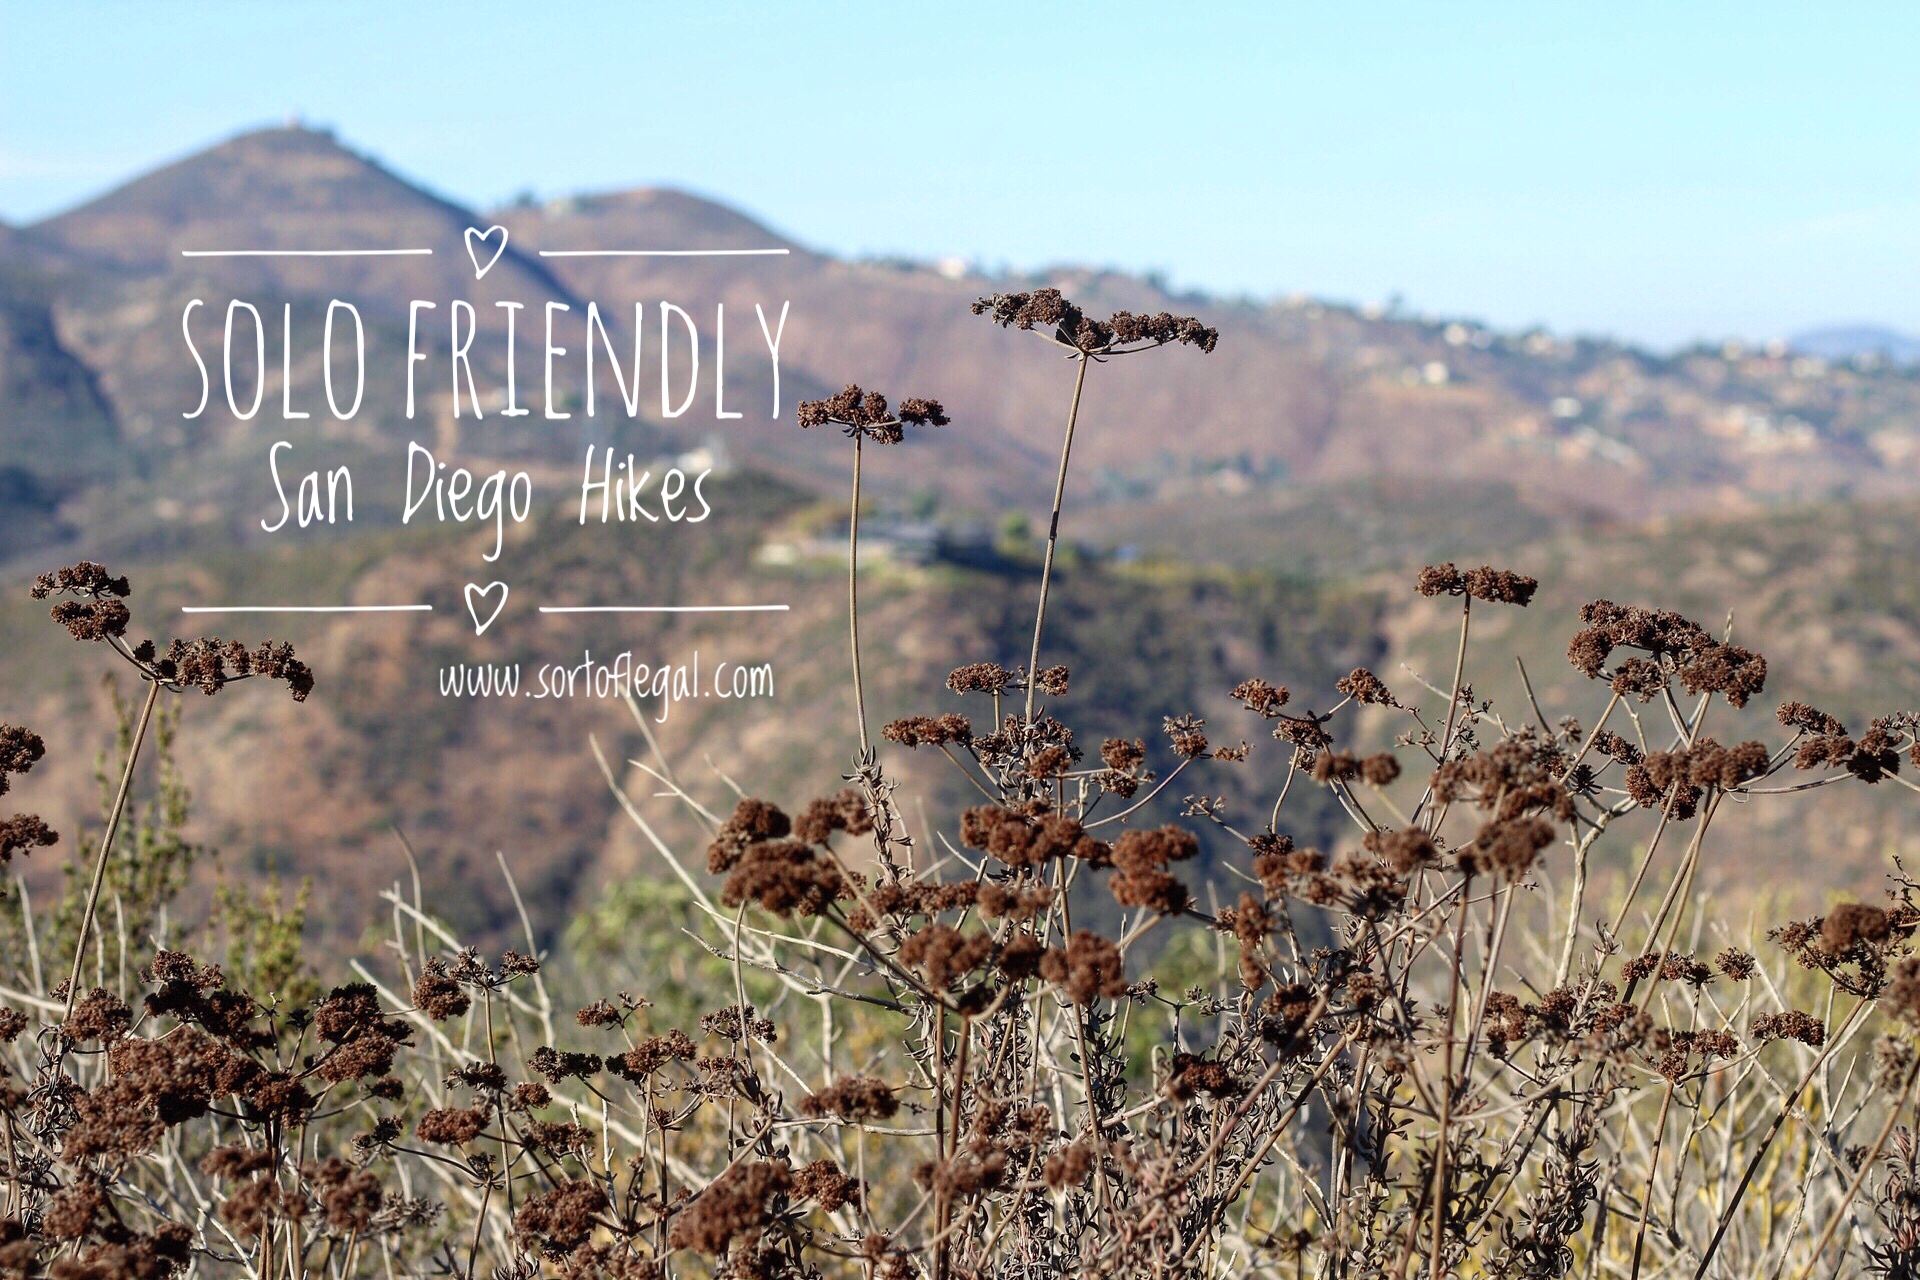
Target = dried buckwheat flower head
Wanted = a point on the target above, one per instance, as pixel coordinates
(736, 1204)
(1047, 309)
(1260, 697)
(1088, 968)
(20, 750)
(1365, 687)
(1186, 736)
(751, 821)
(1791, 1025)
(565, 1216)
(857, 1098)
(865, 415)
(437, 995)
(1849, 923)
(24, 832)
(980, 677)
(1495, 586)
(929, 731)
(96, 612)
(944, 955)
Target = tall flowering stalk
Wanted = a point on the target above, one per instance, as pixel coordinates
(92, 606)
(1091, 342)
(864, 416)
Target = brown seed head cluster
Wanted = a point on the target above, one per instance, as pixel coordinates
(1140, 861)
(20, 750)
(1088, 968)
(980, 677)
(1675, 645)
(1186, 735)
(1405, 851)
(844, 810)
(929, 731)
(653, 1055)
(785, 874)
(1259, 697)
(1047, 309)
(96, 611)
(1851, 923)
(1506, 847)
(1190, 1076)
(751, 821)
(735, 1207)
(1126, 770)
(865, 415)
(944, 956)
(451, 1127)
(1520, 774)
(564, 1217)
(1873, 756)
(827, 1185)
(209, 664)
(437, 995)
(1366, 688)
(1798, 715)
(1675, 781)
(1791, 1025)
(1021, 841)
(1495, 586)
(856, 1098)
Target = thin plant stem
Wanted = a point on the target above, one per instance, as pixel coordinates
(1439, 1197)
(1053, 532)
(853, 601)
(1459, 670)
(106, 843)
(1653, 1170)
(1576, 901)
(1860, 1176)
(942, 1244)
(1773, 1131)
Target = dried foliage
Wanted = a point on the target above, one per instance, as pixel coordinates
(1016, 1044)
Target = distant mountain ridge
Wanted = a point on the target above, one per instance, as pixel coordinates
(1299, 393)
(1845, 342)
(287, 189)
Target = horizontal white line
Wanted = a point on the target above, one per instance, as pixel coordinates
(307, 608)
(663, 253)
(303, 253)
(665, 608)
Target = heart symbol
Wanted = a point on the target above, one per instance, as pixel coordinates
(477, 238)
(485, 593)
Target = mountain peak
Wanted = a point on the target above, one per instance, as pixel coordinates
(293, 136)
(645, 218)
(250, 185)
(287, 188)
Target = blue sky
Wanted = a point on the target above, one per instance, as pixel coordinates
(1658, 172)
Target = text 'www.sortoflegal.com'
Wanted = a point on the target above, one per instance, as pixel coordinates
(666, 684)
